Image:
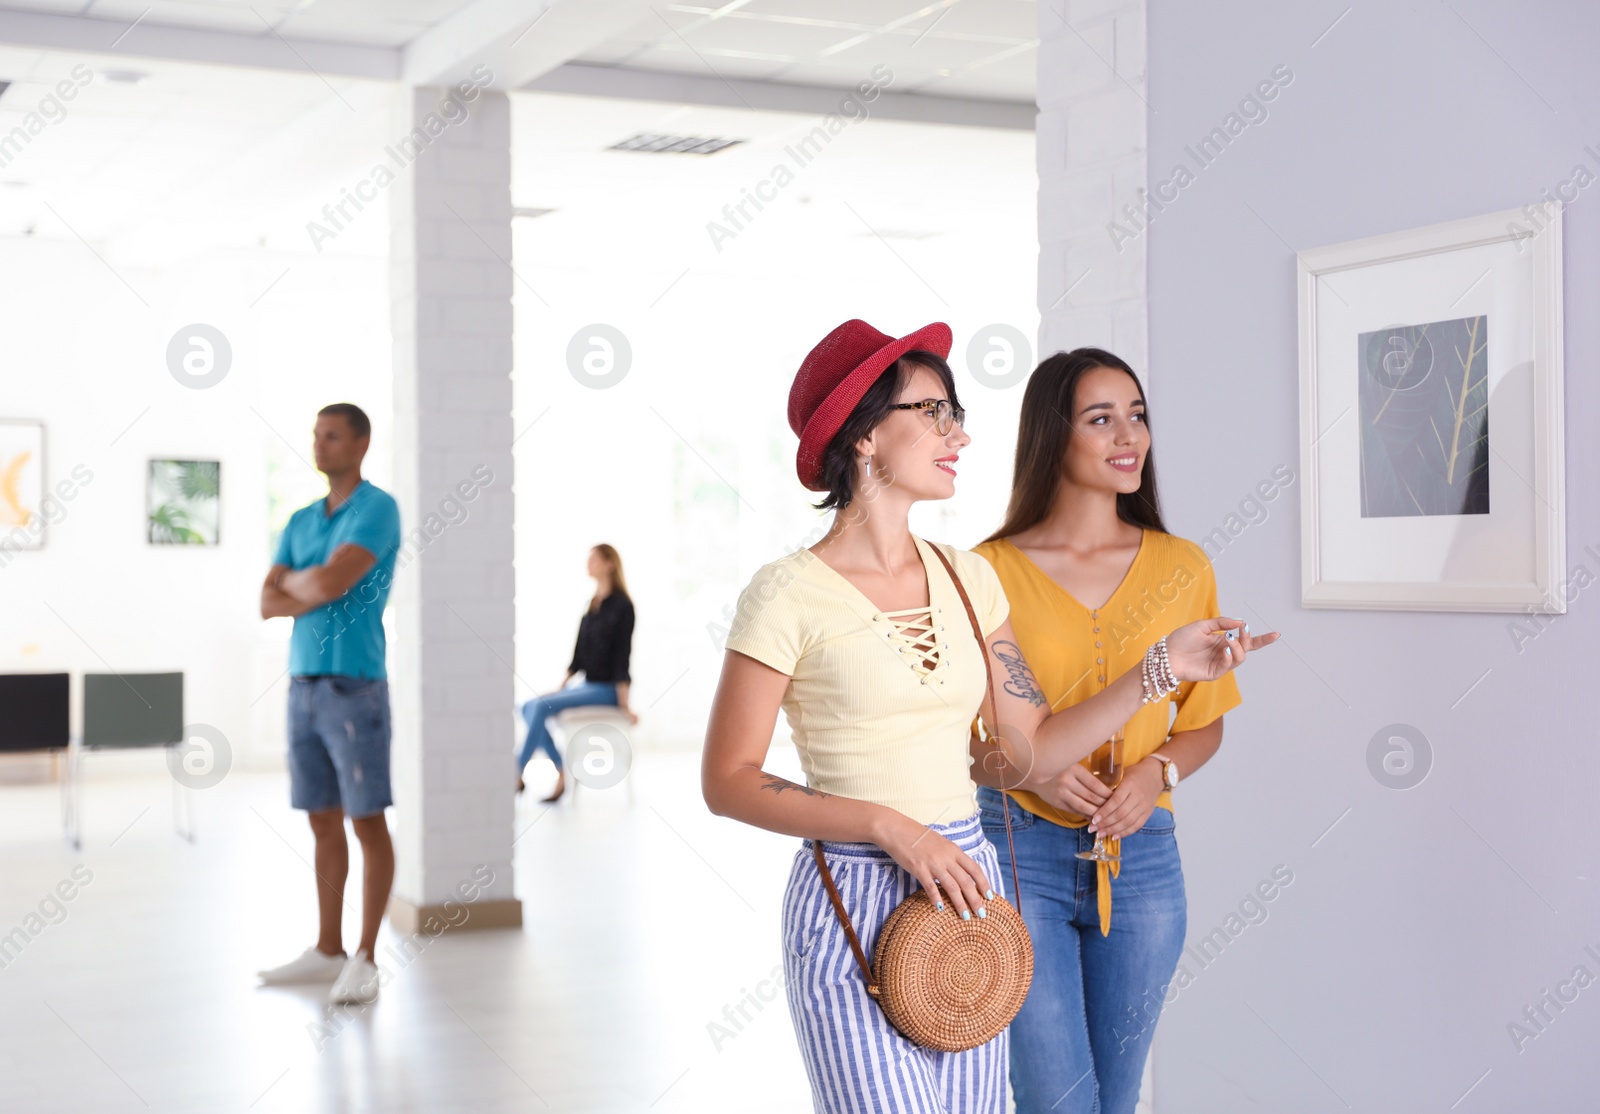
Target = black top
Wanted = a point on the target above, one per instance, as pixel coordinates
(605, 638)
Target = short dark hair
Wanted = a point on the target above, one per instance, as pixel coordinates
(839, 458)
(360, 424)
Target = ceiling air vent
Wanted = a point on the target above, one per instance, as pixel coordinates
(652, 144)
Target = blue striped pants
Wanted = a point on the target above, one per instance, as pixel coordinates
(857, 1062)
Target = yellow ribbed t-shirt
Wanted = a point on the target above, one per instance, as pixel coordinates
(1076, 651)
(869, 718)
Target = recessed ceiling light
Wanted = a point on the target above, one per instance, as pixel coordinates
(898, 233)
(653, 144)
(523, 211)
(124, 77)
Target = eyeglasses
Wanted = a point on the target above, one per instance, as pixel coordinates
(944, 415)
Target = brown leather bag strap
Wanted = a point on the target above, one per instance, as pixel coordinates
(816, 845)
(844, 918)
(988, 678)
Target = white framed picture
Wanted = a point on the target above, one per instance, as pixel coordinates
(1431, 419)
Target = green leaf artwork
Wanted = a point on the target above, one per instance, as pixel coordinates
(1424, 399)
(183, 502)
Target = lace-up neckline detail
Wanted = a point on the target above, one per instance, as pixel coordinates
(917, 635)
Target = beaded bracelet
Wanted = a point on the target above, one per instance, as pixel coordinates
(1157, 677)
(1151, 677)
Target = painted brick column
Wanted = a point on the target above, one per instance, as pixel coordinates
(1092, 145)
(451, 676)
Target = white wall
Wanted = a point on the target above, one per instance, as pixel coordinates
(88, 358)
(183, 198)
(1425, 921)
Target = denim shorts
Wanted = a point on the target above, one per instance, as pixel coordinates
(339, 745)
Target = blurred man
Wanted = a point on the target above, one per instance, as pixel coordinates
(332, 573)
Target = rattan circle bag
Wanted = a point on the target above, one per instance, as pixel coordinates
(945, 983)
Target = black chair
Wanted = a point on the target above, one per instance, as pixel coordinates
(33, 718)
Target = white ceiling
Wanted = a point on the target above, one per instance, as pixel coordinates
(980, 49)
(197, 153)
(371, 22)
(954, 48)
(194, 155)
(187, 144)
(870, 188)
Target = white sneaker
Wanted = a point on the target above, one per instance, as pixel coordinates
(357, 983)
(310, 966)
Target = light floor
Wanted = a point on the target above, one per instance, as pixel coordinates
(649, 928)
(642, 922)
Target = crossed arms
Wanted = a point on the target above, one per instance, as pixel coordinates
(289, 591)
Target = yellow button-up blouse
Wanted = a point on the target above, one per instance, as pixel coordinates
(1076, 651)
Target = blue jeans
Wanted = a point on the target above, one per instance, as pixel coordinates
(536, 711)
(1080, 1042)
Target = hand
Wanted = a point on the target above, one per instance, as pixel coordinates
(941, 866)
(1075, 789)
(1132, 802)
(1208, 649)
(633, 717)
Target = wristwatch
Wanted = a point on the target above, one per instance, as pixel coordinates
(1169, 770)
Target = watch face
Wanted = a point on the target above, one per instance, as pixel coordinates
(1169, 774)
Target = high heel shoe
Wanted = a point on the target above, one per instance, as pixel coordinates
(561, 787)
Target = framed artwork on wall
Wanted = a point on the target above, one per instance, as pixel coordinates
(182, 502)
(22, 484)
(1431, 419)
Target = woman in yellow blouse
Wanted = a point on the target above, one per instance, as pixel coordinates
(864, 644)
(1093, 578)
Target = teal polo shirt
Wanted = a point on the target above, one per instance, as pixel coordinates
(345, 636)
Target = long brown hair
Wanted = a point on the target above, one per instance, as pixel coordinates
(1042, 435)
(619, 583)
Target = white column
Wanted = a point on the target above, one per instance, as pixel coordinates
(1092, 145)
(1093, 208)
(450, 214)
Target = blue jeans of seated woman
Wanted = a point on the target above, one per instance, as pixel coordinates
(1080, 1042)
(536, 711)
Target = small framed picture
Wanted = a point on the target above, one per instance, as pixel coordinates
(22, 492)
(183, 501)
(1431, 418)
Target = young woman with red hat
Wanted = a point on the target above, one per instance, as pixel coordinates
(1093, 576)
(864, 643)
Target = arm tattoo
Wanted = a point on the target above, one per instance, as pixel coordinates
(1021, 681)
(779, 785)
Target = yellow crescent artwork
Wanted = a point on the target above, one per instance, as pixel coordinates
(12, 512)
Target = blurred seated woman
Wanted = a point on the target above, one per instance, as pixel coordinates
(605, 639)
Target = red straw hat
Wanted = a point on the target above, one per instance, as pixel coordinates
(834, 376)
